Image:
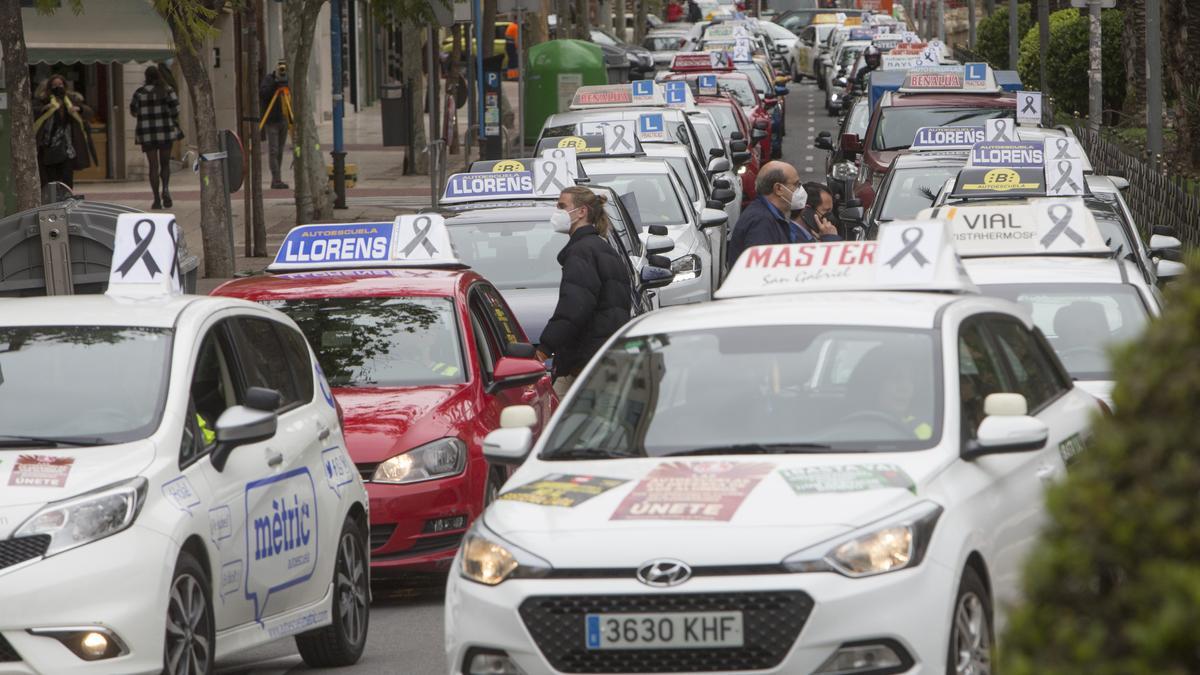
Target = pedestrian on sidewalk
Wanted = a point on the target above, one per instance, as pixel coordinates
(64, 139)
(594, 296)
(276, 98)
(155, 106)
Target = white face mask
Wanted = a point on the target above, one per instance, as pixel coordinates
(560, 220)
(799, 199)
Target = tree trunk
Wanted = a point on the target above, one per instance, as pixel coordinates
(214, 212)
(254, 66)
(582, 20)
(619, 19)
(1181, 58)
(488, 47)
(23, 148)
(538, 27)
(604, 15)
(410, 44)
(562, 11)
(313, 199)
(639, 21)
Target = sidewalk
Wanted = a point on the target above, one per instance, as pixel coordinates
(381, 193)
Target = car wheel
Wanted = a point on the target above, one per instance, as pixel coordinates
(190, 638)
(341, 643)
(971, 637)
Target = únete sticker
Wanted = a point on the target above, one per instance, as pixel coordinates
(40, 471)
(809, 480)
(692, 491)
(561, 489)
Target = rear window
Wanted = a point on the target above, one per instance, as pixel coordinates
(655, 198)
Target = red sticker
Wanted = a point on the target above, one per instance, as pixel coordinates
(692, 491)
(40, 471)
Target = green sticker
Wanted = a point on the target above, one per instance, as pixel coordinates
(847, 478)
(560, 489)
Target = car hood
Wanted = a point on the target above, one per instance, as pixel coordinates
(381, 422)
(31, 478)
(533, 307)
(767, 507)
(1101, 389)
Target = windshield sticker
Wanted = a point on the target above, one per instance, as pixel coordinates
(179, 492)
(40, 471)
(560, 489)
(339, 472)
(692, 491)
(281, 535)
(847, 478)
(220, 525)
(1070, 447)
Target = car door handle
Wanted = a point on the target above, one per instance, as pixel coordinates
(274, 458)
(322, 432)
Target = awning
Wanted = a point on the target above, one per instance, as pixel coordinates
(106, 31)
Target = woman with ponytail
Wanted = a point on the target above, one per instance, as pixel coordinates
(594, 297)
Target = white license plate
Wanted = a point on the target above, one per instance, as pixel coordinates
(666, 630)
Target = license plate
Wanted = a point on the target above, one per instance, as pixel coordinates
(667, 630)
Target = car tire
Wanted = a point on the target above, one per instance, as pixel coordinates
(190, 643)
(971, 629)
(342, 642)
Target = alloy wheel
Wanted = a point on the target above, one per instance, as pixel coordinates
(352, 588)
(189, 651)
(972, 637)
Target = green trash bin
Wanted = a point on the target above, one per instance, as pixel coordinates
(556, 69)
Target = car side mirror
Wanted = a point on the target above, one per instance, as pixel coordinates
(508, 446)
(518, 417)
(1168, 270)
(660, 230)
(737, 136)
(241, 425)
(657, 244)
(515, 372)
(823, 141)
(656, 276)
(851, 143)
(1119, 182)
(1164, 230)
(722, 184)
(770, 102)
(716, 152)
(520, 350)
(761, 124)
(782, 90)
(738, 146)
(713, 217)
(757, 135)
(740, 158)
(723, 196)
(853, 214)
(1006, 427)
(1166, 247)
(717, 165)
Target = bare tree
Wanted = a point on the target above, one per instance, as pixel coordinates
(191, 22)
(313, 199)
(1133, 48)
(23, 172)
(410, 68)
(1181, 61)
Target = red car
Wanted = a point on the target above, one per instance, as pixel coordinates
(421, 362)
(739, 86)
(730, 117)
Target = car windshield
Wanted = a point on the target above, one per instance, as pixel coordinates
(898, 124)
(1081, 321)
(743, 92)
(653, 197)
(850, 55)
(725, 117)
(381, 342)
(59, 382)
(708, 138)
(911, 190)
(511, 254)
(846, 388)
(662, 43)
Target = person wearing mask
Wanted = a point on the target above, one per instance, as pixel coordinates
(765, 220)
(274, 95)
(813, 219)
(155, 106)
(64, 139)
(594, 296)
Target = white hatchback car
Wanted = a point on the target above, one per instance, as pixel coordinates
(837, 468)
(175, 485)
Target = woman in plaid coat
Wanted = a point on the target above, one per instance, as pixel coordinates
(156, 108)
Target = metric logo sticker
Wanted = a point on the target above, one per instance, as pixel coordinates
(809, 480)
(692, 491)
(560, 489)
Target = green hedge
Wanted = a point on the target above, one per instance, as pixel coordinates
(1067, 62)
(992, 34)
(1113, 586)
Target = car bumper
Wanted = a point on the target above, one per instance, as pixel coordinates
(119, 583)
(911, 609)
(408, 522)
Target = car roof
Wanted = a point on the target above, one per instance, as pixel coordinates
(97, 310)
(898, 309)
(983, 100)
(1048, 269)
(350, 283)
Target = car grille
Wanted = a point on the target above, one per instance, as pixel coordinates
(380, 534)
(7, 652)
(425, 545)
(13, 551)
(771, 622)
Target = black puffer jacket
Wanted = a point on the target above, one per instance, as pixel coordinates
(593, 301)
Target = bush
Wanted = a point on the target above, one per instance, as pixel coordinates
(1067, 63)
(1113, 586)
(992, 34)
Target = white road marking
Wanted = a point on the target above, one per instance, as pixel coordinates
(808, 158)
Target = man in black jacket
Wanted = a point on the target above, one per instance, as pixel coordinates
(594, 297)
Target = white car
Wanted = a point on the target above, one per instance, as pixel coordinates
(701, 193)
(807, 49)
(176, 487)
(1082, 298)
(834, 465)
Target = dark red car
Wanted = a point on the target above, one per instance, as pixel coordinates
(421, 362)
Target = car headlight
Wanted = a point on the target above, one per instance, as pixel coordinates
(87, 517)
(488, 559)
(687, 267)
(441, 458)
(893, 543)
